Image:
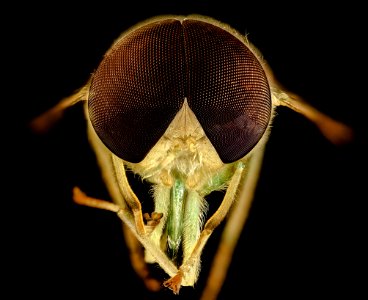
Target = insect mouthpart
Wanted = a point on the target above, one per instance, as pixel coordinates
(181, 163)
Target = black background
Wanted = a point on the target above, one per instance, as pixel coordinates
(306, 231)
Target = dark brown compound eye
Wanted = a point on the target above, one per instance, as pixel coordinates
(143, 80)
(138, 88)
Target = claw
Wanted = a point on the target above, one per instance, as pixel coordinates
(152, 220)
(174, 283)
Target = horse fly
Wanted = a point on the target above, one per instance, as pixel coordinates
(186, 103)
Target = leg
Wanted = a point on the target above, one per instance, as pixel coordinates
(233, 228)
(45, 121)
(126, 216)
(136, 253)
(335, 131)
(113, 173)
(128, 194)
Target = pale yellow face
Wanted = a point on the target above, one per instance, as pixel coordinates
(184, 150)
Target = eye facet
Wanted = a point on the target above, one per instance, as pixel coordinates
(143, 80)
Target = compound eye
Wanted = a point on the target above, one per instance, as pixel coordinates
(228, 89)
(142, 82)
(138, 88)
